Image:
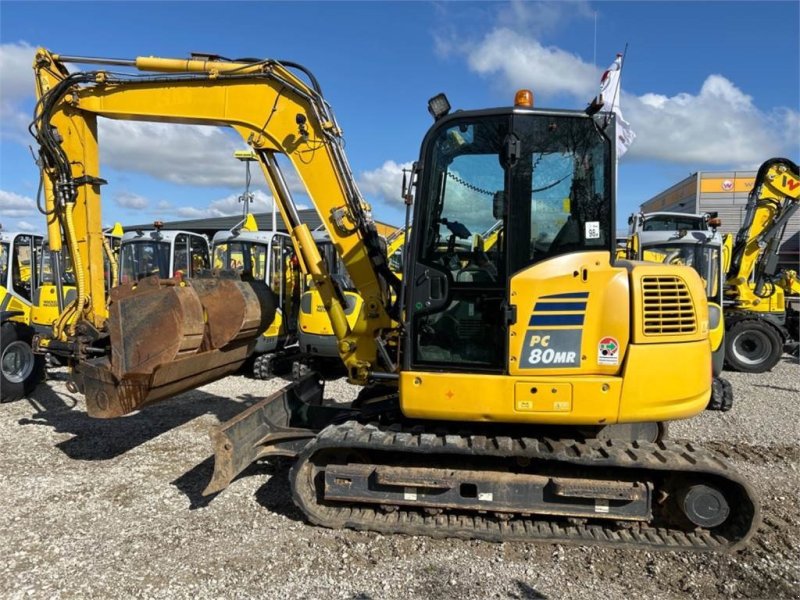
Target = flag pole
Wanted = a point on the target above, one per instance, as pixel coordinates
(613, 101)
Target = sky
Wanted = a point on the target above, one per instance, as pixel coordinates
(705, 86)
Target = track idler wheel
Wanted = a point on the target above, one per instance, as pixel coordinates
(704, 505)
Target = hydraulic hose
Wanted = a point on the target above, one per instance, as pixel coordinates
(114, 266)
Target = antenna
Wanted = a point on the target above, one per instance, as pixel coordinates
(246, 156)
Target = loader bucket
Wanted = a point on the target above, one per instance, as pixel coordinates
(279, 425)
(169, 336)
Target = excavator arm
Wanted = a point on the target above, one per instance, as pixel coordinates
(274, 111)
(775, 197)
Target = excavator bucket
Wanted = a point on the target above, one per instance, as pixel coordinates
(169, 336)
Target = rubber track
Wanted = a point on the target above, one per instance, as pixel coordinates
(662, 456)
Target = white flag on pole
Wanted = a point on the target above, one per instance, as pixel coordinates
(608, 99)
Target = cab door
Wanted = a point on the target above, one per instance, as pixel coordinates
(458, 293)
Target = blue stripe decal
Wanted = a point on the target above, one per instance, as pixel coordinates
(556, 320)
(567, 295)
(559, 306)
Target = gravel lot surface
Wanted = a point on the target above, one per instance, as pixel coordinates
(98, 509)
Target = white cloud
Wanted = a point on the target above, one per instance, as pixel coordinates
(16, 72)
(719, 125)
(385, 182)
(133, 201)
(539, 18)
(223, 207)
(523, 62)
(16, 87)
(25, 226)
(182, 154)
(195, 155)
(14, 205)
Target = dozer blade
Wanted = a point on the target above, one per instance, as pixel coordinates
(279, 425)
(170, 336)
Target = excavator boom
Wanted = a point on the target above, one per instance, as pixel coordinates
(275, 112)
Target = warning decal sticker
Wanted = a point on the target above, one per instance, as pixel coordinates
(608, 351)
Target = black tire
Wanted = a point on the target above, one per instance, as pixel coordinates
(263, 366)
(300, 370)
(752, 346)
(20, 369)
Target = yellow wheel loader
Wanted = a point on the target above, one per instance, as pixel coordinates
(752, 324)
(522, 397)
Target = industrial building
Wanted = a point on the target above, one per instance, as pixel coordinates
(723, 192)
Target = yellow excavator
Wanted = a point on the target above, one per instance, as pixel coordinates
(317, 342)
(759, 323)
(268, 256)
(522, 400)
(751, 321)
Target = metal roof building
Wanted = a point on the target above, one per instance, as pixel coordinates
(724, 192)
(210, 225)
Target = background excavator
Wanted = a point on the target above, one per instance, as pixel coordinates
(267, 256)
(20, 279)
(740, 271)
(759, 322)
(162, 252)
(526, 401)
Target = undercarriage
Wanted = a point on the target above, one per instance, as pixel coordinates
(368, 468)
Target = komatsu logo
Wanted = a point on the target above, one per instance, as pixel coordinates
(555, 331)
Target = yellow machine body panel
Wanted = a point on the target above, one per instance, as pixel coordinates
(12, 303)
(565, 307)
(579, 356)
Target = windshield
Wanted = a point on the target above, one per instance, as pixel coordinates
(249, 259)
(673, 223)
(142, 259)
(67, 272)
(543, 181)
(703, 259)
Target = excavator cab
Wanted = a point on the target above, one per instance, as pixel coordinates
(269, 257)
(163, 253)
(541, 185)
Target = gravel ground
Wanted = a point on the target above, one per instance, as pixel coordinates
(98, 509)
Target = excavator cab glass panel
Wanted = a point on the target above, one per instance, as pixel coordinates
(462, 325)
(563, 171)
(47, 271)
(285, 279)
(24, 267)
(4, 256)
(248, 259)
(143, 259)
(190, 255)
(673, 223)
